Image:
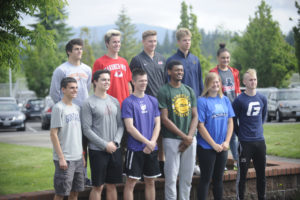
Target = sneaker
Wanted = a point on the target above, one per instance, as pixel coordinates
(197, 170)
(235, 168)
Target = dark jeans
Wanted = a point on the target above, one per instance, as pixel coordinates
(212, 166)
(257, 152)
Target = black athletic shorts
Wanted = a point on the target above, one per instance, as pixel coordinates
(137, 163)
(105, 167)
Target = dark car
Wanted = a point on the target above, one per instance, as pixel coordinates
(284, 104)
(11, 117)
(33, 108)
(46, 113)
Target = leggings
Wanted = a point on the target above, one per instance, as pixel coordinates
(212, 166)
(257, 152)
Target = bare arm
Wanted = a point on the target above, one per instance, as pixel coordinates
(206, 136)
(136, 134)
(225, 144)
(129, 88)
(54, 139)
(170, 125)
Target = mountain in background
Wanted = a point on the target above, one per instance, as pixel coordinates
(97, 32)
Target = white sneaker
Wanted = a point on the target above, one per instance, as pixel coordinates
(197, 170)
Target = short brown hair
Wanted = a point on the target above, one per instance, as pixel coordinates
(148, 33)
(71, 43)
(182, 32)
(110, 33)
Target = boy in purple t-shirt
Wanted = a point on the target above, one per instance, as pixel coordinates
(142, 120)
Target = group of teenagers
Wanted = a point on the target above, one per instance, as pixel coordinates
(163, 115)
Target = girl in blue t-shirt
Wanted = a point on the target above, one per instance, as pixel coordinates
(215, 129)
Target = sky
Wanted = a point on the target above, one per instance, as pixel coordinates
(231, 15)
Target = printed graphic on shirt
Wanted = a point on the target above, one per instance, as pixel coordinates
(253, 108)
(118, 67)
(108, 110)
(219, 111)
(72, 117)
(181, 105)
(118, 74)
(79, 76)
(228, 85)
(143, 107)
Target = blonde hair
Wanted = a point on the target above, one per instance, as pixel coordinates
(149, 33)
(208, 80)
(110, 33)
(251, 72)
(182, 32)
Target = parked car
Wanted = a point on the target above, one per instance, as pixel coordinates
(46, 113)
(266, 91)
(284, 104)
(33, 108)
(8, 99)
(11, 117)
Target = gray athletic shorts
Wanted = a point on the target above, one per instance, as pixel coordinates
(71, 179)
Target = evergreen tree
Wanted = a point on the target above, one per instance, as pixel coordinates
(88, 53)
(130, 46)
(263, 47)
(189, 20)
(41, 60)
(296, 30)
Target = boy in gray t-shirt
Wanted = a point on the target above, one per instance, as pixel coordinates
(66, 138)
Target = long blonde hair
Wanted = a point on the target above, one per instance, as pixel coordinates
(207, 82)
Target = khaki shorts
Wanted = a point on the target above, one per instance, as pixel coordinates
(71, 179)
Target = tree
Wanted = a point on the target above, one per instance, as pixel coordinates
(88, 54)
(263, 47)
(14, 37)
(189, 20)
(130, 46)
(296, 31)
(40, 61)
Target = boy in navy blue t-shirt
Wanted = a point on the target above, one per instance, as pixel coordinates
(250, 109)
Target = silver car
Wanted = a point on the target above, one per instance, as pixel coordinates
(11, 117)
(284, 104)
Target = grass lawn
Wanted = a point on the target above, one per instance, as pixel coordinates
(28, 169)
(283, 140)
(25, 169)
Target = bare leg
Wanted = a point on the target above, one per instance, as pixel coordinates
(58, 197)
(111, 192)
(73, 196)
(149, 188)
(128, 189)
(96, 192)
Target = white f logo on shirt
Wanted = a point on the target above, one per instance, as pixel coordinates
(253, 108)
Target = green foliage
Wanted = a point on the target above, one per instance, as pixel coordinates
(263, 47)
(41, 60)
(189, 20)
(296, 31)
(13, 36)
(130, 47)
(211, 40)
(88, 53)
